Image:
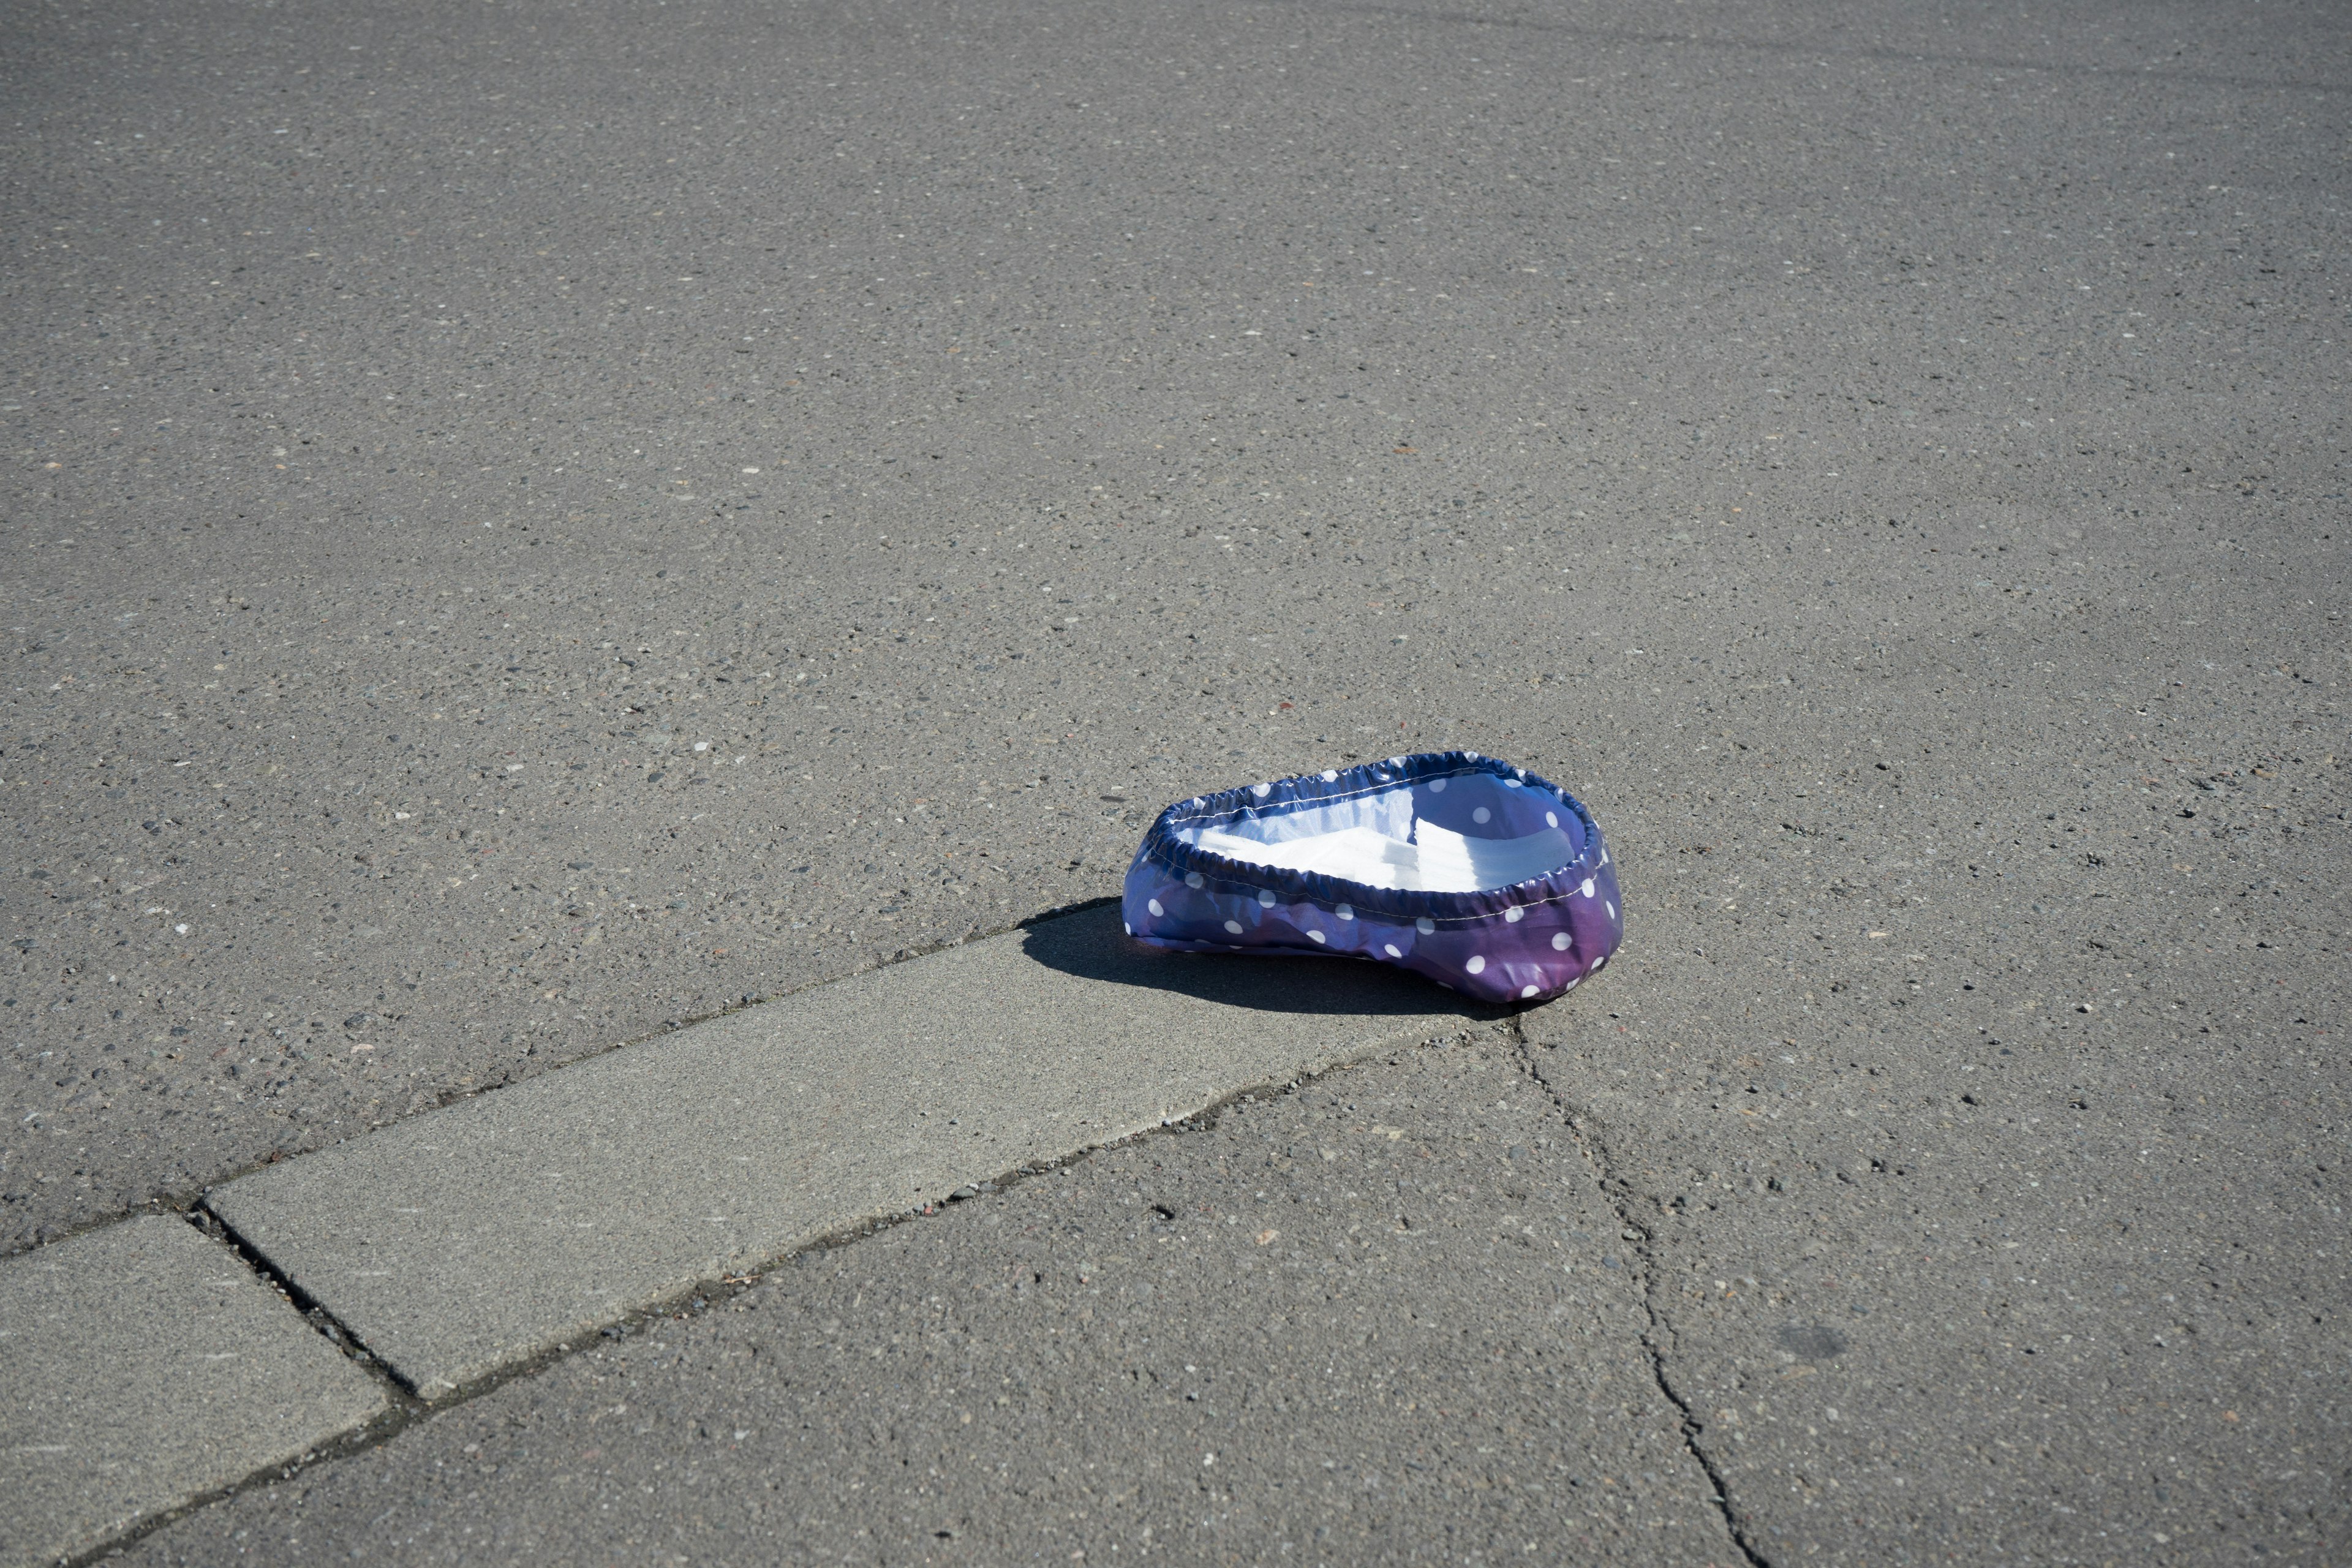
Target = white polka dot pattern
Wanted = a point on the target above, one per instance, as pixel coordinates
(1534, 938)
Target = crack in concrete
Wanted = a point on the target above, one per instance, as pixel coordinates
(1596, 1154)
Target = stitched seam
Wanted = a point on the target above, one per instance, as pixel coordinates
(1169, 821)
(1162, 848)
(1363, 908)
(1399, 783)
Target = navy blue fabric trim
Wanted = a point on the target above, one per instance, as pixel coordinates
(1162, 847)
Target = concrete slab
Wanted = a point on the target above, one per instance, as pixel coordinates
(1981, 1243)
(1387, 1318)
(143, 1365)
(462, 1241)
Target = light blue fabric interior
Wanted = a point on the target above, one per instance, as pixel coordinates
(1381, 838)
(1387, 812)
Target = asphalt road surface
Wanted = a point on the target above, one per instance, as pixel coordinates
(533, 523)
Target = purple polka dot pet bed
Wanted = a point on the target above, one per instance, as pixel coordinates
(1479, 874)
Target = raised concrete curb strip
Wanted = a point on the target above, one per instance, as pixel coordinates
(144, 1365)
(472, 1237)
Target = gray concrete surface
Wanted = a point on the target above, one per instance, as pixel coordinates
(1111, 381)
(141, 1366)
(1958, 1274)
(1386, 1317)
(468, 1239)
(1852, 445)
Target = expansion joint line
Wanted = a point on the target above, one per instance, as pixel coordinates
(402, 1402)
(401, 1406)
(1656, 1331)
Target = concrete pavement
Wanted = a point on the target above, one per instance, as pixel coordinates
(437, 819)
(472, 1238)
(1851, 448)
(1257, 1339)
(142, 1366)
